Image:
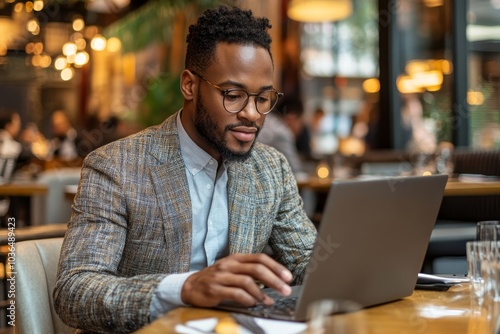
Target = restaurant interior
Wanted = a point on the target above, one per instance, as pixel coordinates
(375, 88)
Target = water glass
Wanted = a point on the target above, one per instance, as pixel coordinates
(491, 275)
(477, 255)
(335, 316)
(488, 230)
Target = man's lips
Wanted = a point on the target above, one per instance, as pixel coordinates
(244, 133)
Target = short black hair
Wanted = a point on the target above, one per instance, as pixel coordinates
(6, 117)
(224, 24)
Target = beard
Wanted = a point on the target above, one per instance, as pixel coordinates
(207, 127)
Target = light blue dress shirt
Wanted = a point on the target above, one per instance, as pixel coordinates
(208, 193)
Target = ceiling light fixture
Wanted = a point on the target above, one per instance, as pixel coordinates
(319, 10)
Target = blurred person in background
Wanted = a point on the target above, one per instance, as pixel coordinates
(10, 126)
(10, 149)
(65, 142)
(293, 111)
(278, 134)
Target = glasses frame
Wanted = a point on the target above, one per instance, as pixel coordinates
(225, 92)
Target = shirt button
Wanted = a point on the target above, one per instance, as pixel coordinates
(195, 170)
(211, 162)
(209, 186)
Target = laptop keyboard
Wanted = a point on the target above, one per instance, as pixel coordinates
(283, 306)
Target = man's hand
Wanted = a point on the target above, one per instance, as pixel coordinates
(234, 278)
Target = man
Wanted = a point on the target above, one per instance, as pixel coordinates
(10, 149)
(64, 145)
(10, 126)
(180, 213)
(277, 134)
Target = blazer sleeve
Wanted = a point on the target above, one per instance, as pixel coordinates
(89, 293)
(293, 235)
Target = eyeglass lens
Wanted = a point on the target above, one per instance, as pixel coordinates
(236, 100)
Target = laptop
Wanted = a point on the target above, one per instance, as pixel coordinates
(370, 246)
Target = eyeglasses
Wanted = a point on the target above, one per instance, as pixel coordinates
(235, 99)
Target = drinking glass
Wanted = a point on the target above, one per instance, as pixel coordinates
(491, 275)
(477, 252)
(488, 230)
(335, 316)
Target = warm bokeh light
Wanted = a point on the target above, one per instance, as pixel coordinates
(81, 58)
(18, 7)
(45, 61)
(38, 5)
(114, 44)
(323, 172)
(433, 88)
(38, 48)
(29, 48)
(424, 65)
(32, 25)
(60, 63)
(433, 3)
(475, 98)
(75, 36)
(29, 6)
(406, 85)
(446, 66)
(429, 78)
(426, 173)
(67, 74)
(81, 43)
(319, 10)
(78, 24)
(71, 58)
(90, 31)
(98, 43)
(36, 60)
(416, 66)
(69, 49)
(371, 85)
(417, 82)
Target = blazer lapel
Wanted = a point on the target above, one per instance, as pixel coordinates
(172, 191)
(241, 204)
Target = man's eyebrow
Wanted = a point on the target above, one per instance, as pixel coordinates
(242, 86)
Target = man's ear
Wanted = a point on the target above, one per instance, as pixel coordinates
(189, 85)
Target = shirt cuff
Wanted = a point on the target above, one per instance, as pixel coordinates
(168, 295)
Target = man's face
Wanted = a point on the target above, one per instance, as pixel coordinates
(206, 125)
(220, 133)
(14, 127)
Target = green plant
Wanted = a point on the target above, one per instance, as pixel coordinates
(163, 98)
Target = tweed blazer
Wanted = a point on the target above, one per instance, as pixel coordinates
(131, 226)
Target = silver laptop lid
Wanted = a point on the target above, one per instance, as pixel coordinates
(372, 240)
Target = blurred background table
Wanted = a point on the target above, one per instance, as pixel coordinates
(453, 187)
(23, 189)
(32, 192)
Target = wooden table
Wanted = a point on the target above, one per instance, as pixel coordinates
(23, 189)
(36, 191)
(423, 312)
(458, 188)
(453, 187)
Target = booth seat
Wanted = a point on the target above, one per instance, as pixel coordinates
(37, 262)
(458, 215)
(57, 207)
